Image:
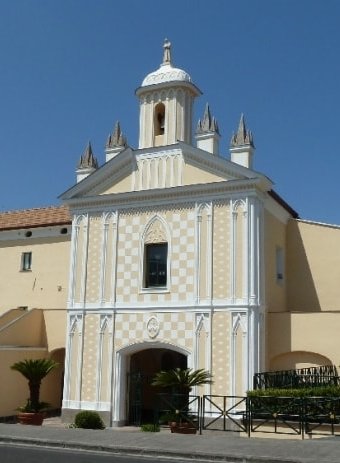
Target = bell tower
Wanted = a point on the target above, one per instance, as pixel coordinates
(166, 99)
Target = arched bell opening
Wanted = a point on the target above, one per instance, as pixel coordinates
(159, 124)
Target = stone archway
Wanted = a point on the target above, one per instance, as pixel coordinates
(144, 359)
(298, 359)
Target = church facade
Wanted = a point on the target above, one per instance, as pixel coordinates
(178, 255)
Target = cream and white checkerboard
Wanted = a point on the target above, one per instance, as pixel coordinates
(176, 327)
(181, 249)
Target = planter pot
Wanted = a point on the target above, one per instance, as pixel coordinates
(182, 428)
(35, 419)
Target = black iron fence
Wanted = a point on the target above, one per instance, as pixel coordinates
(182, 409)
(325, 375)
(281, 415)
(225, 413)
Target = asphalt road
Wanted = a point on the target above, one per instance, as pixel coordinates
(32, 454)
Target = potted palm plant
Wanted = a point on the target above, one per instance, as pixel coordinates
(180, 383)
(34, 370)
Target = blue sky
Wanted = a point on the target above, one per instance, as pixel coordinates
(69, 69)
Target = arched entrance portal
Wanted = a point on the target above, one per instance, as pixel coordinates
(143, 367)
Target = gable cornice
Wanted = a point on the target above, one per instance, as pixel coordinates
(125, 162)
(111, 170)
(166, 196)
(220, 164)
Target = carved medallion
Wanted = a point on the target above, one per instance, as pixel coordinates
(152, 327)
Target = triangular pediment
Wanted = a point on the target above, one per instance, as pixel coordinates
(178, 165)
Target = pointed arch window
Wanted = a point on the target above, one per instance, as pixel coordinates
(155, 251)
(156, 257)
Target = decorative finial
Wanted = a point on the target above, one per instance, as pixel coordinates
(243, 136)
(208, 123)
(166, 52)
(88, 159)
(117, 138)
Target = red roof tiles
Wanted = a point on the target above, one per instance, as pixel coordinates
(32, 218)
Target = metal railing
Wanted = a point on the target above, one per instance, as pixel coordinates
(303, 377)
(179, 408)
(277, 415)
(225, 413)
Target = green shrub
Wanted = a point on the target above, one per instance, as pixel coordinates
(88, 420)
(320, 391)
(150, 428)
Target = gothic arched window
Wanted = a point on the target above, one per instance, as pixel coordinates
(155, 251)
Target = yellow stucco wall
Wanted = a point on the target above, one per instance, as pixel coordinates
(274, 237)
(27, 330)
(313, 267)
(14, 387)
(316, 333)
(55, 328)
(121, 186)
(193, 175)
(46, 284)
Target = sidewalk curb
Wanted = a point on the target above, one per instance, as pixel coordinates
(145, 452)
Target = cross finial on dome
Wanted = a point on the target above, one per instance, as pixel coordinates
(166, 52)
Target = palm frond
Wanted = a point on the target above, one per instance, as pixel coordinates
(34, 369)
(183, 378)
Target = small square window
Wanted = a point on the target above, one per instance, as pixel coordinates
(155, 270)
(26, 261)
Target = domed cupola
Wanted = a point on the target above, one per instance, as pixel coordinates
(166, 100)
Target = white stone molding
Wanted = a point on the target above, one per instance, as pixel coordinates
(153, 327)
(239, 320)
(254, 253)
(203, 322)
(198, 221)
(246, 246)
(84, 259)
(114, 260)
(108, 218)
(159, 169)
(236, 205)
(106, 324)
(199, 209)
(77, 220)
(210, 231)
(87, 405)
(75, 322)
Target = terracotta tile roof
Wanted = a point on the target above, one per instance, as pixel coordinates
(32, 218)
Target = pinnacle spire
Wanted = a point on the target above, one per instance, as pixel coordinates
(242, 136)
(166, 52)
(116, 139)
(88, 159)
(208, 123)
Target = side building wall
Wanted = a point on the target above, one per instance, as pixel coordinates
(307, 334)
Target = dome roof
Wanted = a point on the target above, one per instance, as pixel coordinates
(166, 72)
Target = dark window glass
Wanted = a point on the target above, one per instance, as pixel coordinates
(26, 261)
(156, 264)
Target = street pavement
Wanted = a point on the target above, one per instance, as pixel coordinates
(213, 446)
